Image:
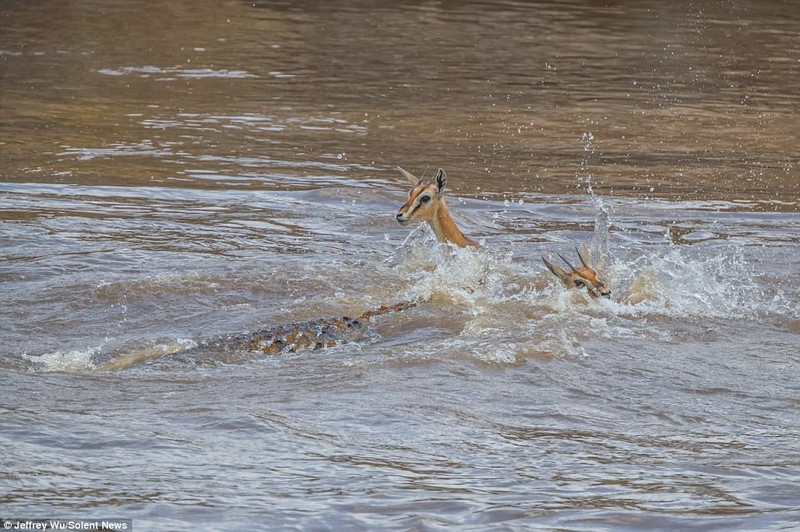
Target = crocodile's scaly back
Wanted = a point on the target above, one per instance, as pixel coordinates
(286, 338)
(314, 334)
(380, 311)
(306, 335)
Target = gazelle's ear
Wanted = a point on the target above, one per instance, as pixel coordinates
(441, 180)
(585, 255)
(414, 180)
(557, 270)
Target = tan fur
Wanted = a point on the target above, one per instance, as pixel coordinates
(433, 211)
(583, 276)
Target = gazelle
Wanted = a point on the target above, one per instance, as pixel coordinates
(426, 204)
(582, 277)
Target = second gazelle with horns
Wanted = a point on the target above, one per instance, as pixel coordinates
(426, 204)
(584, 276)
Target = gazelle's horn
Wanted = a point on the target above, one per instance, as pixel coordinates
(580, 256)
(414, 180)
(568, 263)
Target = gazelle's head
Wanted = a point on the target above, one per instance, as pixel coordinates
(582, 277)
(423, 199)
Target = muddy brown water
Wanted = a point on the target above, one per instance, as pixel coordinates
(191, 170)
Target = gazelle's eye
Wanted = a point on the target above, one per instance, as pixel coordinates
(424, 199)
(579, 283)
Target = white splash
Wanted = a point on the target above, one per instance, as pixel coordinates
(74, 361)
(77, 361)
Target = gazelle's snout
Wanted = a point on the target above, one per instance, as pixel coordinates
(600, 292)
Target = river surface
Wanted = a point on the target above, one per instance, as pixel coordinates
(174, 172)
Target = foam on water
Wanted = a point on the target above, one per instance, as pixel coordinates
(513, 309)
(718, 282)
(73, 361)
(91, 359)
(474, 277)
(516, 309)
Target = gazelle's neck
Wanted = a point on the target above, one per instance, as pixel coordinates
(426, 204)
(446, 230)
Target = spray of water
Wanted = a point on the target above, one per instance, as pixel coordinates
(600, 247)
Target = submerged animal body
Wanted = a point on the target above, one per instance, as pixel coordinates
(285, 338)
(305, 335)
